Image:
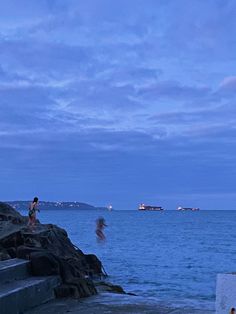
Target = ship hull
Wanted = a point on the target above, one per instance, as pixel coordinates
(187, 209)
(151, 208)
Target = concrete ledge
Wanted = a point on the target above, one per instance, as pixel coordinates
(21, 295)
(225, 293)
(13, 269)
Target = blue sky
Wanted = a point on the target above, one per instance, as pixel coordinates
(119, 102)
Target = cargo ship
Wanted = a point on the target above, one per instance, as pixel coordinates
(188, 208)
(149, 207)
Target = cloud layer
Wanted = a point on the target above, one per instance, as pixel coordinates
(85, 84)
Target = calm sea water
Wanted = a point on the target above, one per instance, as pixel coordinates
(170, 256)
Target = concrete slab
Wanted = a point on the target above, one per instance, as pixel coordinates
(95, 305)
(13, 269)
(21, 295)
(225, 293)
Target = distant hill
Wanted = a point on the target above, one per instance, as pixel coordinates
(23, 205)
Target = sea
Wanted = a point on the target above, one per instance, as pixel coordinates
(172, 257)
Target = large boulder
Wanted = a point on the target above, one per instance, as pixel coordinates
(4, 255)
(95, 265)
(50, 251)
(9, 213)
(44, 264)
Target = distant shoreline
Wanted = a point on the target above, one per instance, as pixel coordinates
(46, 205)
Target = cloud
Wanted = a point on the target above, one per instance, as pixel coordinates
(174, 90)
(228, 84)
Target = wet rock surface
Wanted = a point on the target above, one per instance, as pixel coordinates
(109, 303)
(104, 286)
(50, 251)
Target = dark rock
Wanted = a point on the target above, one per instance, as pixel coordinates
(25, 252)
(109, 287)
(95, 266)
(117, 289)
(8, 213)
(44, 264)
(67, 271)
(50, 251)
(13, 240)
(131, 293)
(4, 255)
(63, 291)
(85, 286)
(12, 252)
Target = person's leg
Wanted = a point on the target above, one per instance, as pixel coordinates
(30, 220)
(100, 235)
(33, 221)
(30, 223)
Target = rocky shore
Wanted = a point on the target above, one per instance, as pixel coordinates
(50, 252)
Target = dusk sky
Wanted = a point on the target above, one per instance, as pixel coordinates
(119, 102)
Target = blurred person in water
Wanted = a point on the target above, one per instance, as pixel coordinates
(100, 225)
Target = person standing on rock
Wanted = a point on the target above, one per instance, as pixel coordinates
(32, 213)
